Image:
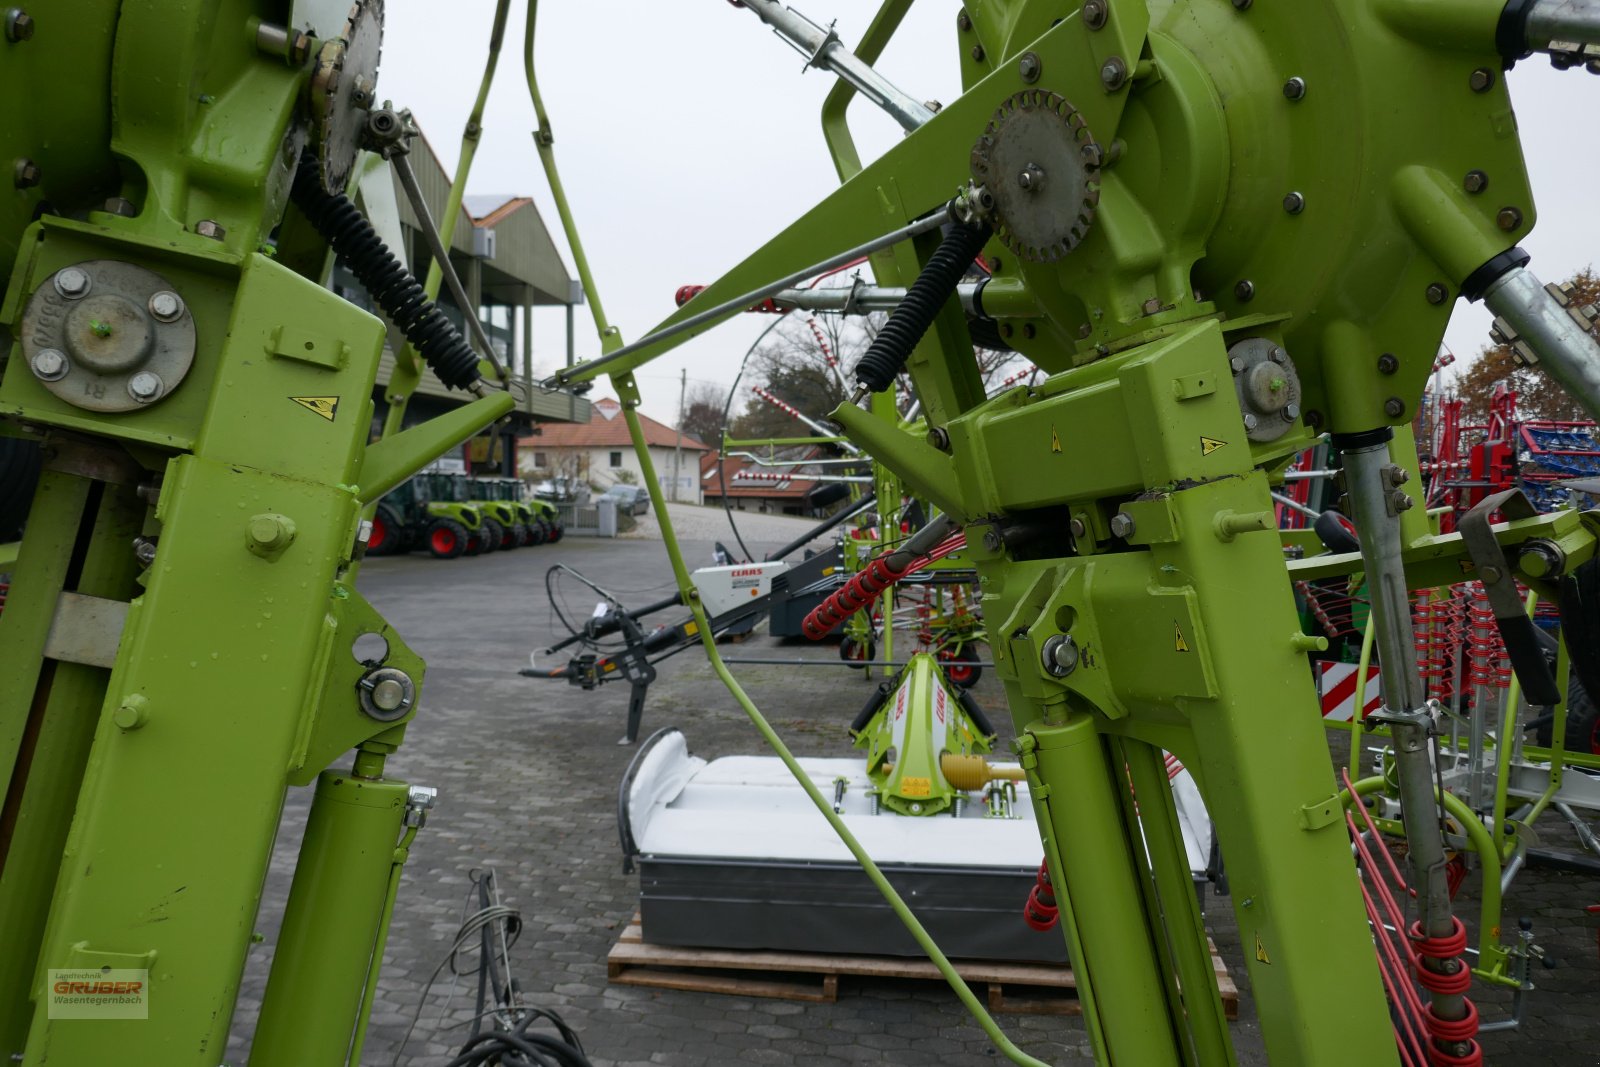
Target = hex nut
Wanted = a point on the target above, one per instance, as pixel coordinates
(1029, 67)
(144, 386)
(166, 305)
(1508, 219)
(72, 282)
(19, 25)
(1295, 88)
(1122, 524)
(1113, 72)
(1245, 290)
(1437, 293)
(1481, 80)
(51, 365)
(209, 228)
(26, 174)
(1476, 181)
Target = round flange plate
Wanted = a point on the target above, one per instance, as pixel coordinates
(1268, 387)
(1039, 161)
(104, 335)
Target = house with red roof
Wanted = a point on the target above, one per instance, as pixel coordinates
(600, 453)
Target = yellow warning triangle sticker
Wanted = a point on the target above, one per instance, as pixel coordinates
(1261, 951)
(1209, 445)
(1055, 440)
(326, 406)
(1180, 645)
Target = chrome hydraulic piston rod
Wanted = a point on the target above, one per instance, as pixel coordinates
(1376, 500)
(861, 299)
(823, 49)
(1542, 330)
(1565, 27)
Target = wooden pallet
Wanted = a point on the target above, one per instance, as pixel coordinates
(1031, 988)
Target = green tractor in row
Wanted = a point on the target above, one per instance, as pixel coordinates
(526, 522)
(452, 514)
(424, 512)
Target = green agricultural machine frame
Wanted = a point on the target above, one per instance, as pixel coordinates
(179, 644)
(1220, 230)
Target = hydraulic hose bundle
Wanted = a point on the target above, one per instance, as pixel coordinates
(887, 354)
(934, 541)
(395, 289)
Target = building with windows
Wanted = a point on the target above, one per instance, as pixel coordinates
(510, 270)
(600, 453)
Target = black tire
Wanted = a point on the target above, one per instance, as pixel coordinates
(447, 539)
(854, 653)
(19, 473)
(493, 535)
(387, 537)
(1337, 533)
(1583, 722)
(556, 530)
(524, 535)
(538, 532)
(963, 677)
(516, 535)
(474, 542)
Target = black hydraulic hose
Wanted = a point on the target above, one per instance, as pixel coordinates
(395, 289)
(887, 354)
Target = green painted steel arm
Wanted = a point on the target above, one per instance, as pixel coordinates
(408, 367)
(544, 139)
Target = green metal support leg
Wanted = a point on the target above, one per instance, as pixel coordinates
(332, 922)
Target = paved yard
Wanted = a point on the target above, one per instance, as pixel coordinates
(528, 770)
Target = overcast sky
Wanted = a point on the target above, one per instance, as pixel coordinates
(687, 134)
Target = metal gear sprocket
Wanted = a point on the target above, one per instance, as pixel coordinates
(342, 91)
(1040, 162)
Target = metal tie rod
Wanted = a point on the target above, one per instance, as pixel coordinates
(401, 163)
(755, 296)
(823, 49)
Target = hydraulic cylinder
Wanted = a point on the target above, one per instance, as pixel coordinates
(1075, 797)
(313, 999)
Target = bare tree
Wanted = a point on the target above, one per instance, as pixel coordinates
(702, 412)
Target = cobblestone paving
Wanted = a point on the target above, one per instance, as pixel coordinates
(528, 770)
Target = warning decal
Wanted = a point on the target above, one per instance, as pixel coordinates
(1261, 951)
(1178, 644)
(326, 406)
(1209, 445)
(1055, 440)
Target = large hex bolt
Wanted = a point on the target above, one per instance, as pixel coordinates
(166, 305)
(72, 282)
(145, 386)
(50, 365)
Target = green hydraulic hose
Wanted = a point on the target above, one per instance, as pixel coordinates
(628, 391)
(610, 336)
(407, 372)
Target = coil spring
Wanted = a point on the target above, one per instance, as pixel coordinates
(1485, 649)
(887, 354)
(395, 289)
